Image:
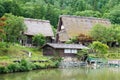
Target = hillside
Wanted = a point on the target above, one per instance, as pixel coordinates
(17, 52)
(51, 9)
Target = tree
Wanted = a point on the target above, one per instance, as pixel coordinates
(39, 12)
(115, 15)
(14, 28)
(52, 14)
(109, 35)
(2, 10)
(110, 4)
(11, 7)
(98, 33)
(39, 40)
(83, 54)
(88, 13)
(116, 34)
(2, 23)
(79, 5)
(99, 48)
(84, 38)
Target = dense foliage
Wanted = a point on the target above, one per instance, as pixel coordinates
(13, 28)
(39, 40)
(25, 65)
(99, 48)
(51, 9)
(81, 38)
(2, 23)
(106, 34)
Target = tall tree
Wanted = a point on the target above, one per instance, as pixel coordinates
(52, 14)
(106, 34)
(39, 12)
(14, 27)
(2, 10)
(115, 15)
(11, 7)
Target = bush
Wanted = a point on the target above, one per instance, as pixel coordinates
(25, 65)
(4, 69)
(99, 47)
(39, 40)
(3, 45)
(114, 55)
(14, 67)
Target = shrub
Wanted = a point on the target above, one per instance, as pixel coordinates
(43, 65)
(25, 65)
(14, 67)
(4, 69)
(114, 55)
(3, 45)
(39, 40)
(99, 47)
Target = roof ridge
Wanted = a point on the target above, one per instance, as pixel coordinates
(84, 17)
(67, 46)
(39, 20)
(65, 43)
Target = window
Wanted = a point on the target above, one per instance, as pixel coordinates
(70, 50)
(62, 27)
(67, 51)
(73, 51)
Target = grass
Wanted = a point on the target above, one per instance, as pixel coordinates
(113, 53)
(18, 52)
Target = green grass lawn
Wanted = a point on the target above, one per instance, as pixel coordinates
(18, 52)
(113, 53)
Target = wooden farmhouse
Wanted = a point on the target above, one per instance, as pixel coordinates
(71, 26)
(62, 50)
(36, 26)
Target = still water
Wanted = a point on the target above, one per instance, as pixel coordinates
(66, 74)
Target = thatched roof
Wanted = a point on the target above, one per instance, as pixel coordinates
(36, 26)
(75, 25)
(66, 46)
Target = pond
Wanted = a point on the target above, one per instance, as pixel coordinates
(66, 74)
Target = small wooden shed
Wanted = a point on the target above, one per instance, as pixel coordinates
(62, 50)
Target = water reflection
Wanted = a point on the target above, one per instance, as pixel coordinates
(66, 74)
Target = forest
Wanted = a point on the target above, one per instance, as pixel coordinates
(51, 9)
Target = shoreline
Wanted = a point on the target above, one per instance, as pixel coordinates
(25, 66)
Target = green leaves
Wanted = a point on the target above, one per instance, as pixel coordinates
(39, 40)
(14, 27)
(106, 34)
(88, 13)
(51, 9)
(99, 47)
(115, 15)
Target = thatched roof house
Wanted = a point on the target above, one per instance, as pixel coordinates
(37, 26)
(70, 26)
